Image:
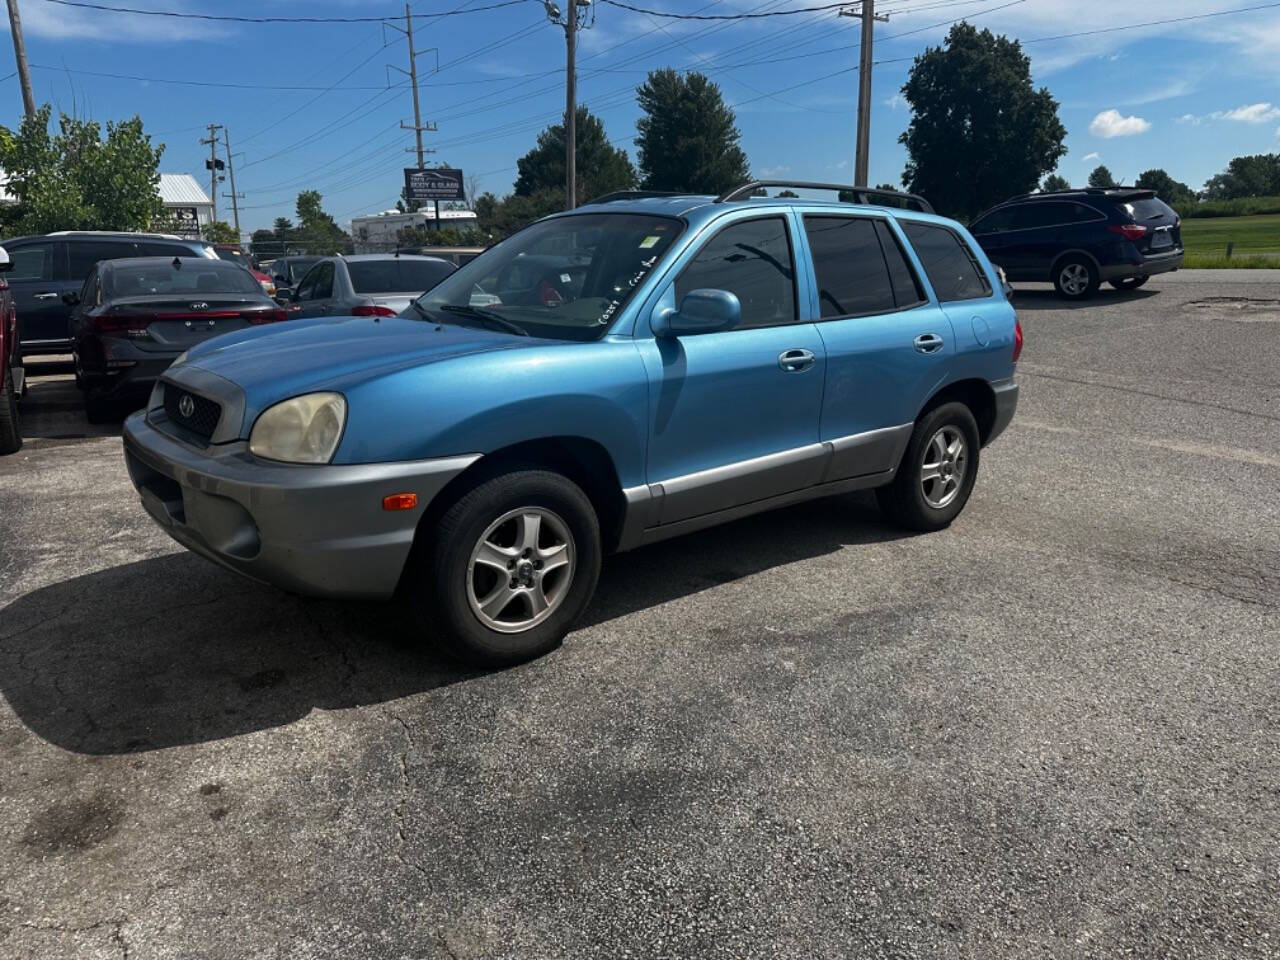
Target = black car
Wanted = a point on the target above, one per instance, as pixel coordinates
(48, 265)
(287, 272)
(135, 317)
(1076, 239)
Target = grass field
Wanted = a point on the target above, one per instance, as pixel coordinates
(1205, 241)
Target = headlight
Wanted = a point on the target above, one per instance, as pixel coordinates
(305, 429)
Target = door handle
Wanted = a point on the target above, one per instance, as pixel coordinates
(44, 296)
(928, 343)
(796, 359)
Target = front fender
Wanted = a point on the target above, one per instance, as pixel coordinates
(484, 402)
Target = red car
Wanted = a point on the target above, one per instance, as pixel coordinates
(12, 378)
(229, 251)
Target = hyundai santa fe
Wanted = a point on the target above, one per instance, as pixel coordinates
(636, 369)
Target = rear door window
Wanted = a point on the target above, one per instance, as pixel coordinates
(994, 222)
(752, 260)
(906, 286)
(34, 261)
(950, 264)
(324, 282)
(84, 254)
(849, 264)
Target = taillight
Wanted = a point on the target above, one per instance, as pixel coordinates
(259, 317)
(372, 310)
(1130, 231)
(1017, 339)
(119, 323)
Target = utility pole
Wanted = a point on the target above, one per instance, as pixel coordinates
(572, 23)
(20, 55)
(862, 156)
(571, 107)
(412, 73)
(213, 163)
(231, 173)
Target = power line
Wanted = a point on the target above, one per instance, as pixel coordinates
(721, 16)
(228, 18)
(195, 83)
(1127, 26)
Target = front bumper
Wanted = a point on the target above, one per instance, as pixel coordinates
(315, 530)
(1006, 392)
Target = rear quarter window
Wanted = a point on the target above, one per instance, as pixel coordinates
(951, 266)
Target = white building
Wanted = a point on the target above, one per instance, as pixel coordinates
(187, 206)
(378, 232)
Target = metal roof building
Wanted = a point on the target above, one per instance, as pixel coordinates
(187, 206)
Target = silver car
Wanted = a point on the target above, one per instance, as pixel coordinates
(365, 285)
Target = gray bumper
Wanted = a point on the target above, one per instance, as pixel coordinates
(1006, 392)
(316, 530)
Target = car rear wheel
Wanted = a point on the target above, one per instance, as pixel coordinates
(510, 566)
(1075, 278)
(10, 419)
(937, 472)
(1128, 283)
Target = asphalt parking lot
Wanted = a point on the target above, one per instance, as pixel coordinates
(1052, 730)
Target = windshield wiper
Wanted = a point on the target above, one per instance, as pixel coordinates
(484, 316)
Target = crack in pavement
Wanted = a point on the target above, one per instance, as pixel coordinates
(404, 791)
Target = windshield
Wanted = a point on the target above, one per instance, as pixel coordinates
(396, 275)
(141, 278)
(565, 278)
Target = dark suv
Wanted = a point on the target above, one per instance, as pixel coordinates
(1077, 238)
(51, 264)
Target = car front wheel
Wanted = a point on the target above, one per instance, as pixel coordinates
(937, 472)
(1075, 278)
(511, 565)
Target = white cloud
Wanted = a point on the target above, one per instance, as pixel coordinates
(1090, 156)
(69, 23)
(1190, 118)
(1110, 123)
(894, 102)
(1253, 113)
(775, 171)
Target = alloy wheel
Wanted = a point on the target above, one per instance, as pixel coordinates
(1074, 279)
(521, 569)
(943, 466)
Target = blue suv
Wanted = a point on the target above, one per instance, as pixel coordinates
(1076, 239)
(639, 368)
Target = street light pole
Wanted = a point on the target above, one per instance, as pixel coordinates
(20, 55)
(862, 152)
(571, 107)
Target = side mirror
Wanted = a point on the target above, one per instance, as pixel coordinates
(71, 298)
(701, 311)
(5, 263)
(283, 294)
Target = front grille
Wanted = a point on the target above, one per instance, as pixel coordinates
(204, 413)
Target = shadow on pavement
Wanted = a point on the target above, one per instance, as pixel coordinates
(1046, 298)
(174, 650)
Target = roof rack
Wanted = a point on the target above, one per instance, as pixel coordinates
(911, 201)
(634, 195)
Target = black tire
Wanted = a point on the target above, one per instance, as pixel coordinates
(904, 501)
(1075, 278)
(1128, 283)
(98, 408)
(441, 581)
(10, 419)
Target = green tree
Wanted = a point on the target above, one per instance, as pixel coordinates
(1252, 176)
(601, 167)
(688, 137)
(1167, 189)
(77, 179)
(219, 231)
(282, 228)
(1053, 182)
(787, 194)
(979, 130)
(316, 229)
(1100, 176)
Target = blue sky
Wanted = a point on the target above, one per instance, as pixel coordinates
(1183, 96)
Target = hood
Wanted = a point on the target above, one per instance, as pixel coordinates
(281, 360)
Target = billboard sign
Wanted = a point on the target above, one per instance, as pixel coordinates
(423, 186)
(183, 221)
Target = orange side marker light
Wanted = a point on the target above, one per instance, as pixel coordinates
(400, 501)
